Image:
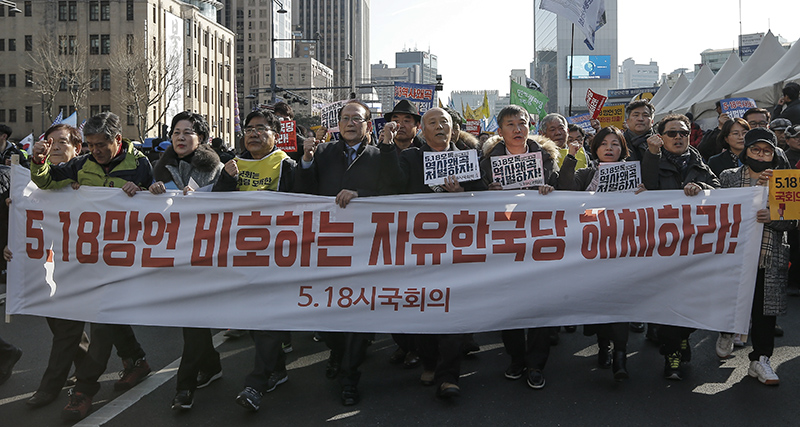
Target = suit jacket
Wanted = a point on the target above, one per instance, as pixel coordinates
(329, 173)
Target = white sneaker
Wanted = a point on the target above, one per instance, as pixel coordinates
(739, 340)
(762, 370)
(724, 345)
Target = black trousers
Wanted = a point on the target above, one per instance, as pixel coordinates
(69, 347)
(532, 352)
(349, 350)
(104, 337)
(269, 357)
(616, 333)
(406, 342)
(198, 355)
(670, 337)
(442, 353)
(762, 329)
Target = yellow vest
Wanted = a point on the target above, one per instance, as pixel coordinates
(262, 174)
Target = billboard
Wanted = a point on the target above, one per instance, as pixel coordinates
(589, 67)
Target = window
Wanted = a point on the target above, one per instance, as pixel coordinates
(28, 78)
(94, 10)
(205, 65)
(28, 8)
(62, 11)
(28, 113)
(73, 10)
(105, 80)
(129, 10)
(2, 80)
(131, 115)
(62, 45)
(12, 80)
(94, 110)
(104, 108)
(2, 115)
(105, 44)
(129, 41)
(105, 11)
(154, 14)
(2, 43)
(12, 45)
(94, 82)
(12, 115)
(189, 56)
(28, 43)
(72, 45)
(94, 44)
(189, 27)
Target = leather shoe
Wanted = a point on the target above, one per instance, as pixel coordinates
(603, 354)
(448, 390)
(397, 357)
(427, 377)
(40, 398)
(350, 395)
(332, 369)
(618, 366)
(411, 360)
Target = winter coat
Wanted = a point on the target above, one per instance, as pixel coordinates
(204, 168)
(776, 262)
(405, 174)
(286, 180)
(792, 112)
(659, 174)
(637, 145)
(558, 178)
(329, 173)
(722, 161)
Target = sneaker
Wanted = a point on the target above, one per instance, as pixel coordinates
(350, 395)
(249, 399)
(686, 351)
(724, 345)
(275, 379)
(535, 379)
(8, 365)
(287, 347)
(672, 366)
(411, 360)
(205, 378)
(183, 400)
(40, 398)
(739, 340)
(427, 377)
(317, 337)
(78, 407)
(762, 370)
(133, 373)
(448, 390)
(514, 371)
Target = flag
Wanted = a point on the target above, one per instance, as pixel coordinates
(440, 103)
(450, 103)
(237, 123)
(72, 120)
(80, 128)
(485, 112)
(595, 102)
(588, 15)
(532, 100)
(59, 119)
(27, 143)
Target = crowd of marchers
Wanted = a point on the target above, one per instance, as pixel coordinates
(673, 154)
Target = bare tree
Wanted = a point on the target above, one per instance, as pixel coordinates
(76, 77)
(47, 70)
(153, 79)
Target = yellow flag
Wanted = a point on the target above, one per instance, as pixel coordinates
(485, 113)
(468, 113)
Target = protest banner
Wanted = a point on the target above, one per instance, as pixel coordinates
(531, 100)
(461, 164)
(736, 107)
(613, 115)
(255, 175)
(518, 171)
(784, 194)
(582, 120)
(418, 263)
(473, 127)
(287, 139)
(329, 116)
(421, 96)
(594, 102)
(378, 124)
(623, 177)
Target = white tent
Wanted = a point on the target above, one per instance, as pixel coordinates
(676, 90)
(660, 94)
(767, 54)
(729, 68)
(766, 89)
(679, 104)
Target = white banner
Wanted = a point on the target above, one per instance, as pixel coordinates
(441, 164)
(616, 176)
(518, 170)
(429, 263)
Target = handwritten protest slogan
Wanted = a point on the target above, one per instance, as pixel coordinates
(736, 107)
(594, 102)
(420, 263)
(461, 164)
(612, 116)
(287, 139)
(784, 194)
(582, 120)
(421, 96)
(617, 176)
(329, 116)
(518, 171)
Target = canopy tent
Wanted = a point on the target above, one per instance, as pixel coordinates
(768, 53)
(676, 90)
(766, 89)
(660, 94)
(729, 68)
(679, 105)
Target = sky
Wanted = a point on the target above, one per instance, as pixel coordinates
(479, 42)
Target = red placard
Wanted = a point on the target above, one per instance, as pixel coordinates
(287, 139)
(595, 102)
(473, 127)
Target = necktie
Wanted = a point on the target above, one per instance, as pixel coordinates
(351, 155)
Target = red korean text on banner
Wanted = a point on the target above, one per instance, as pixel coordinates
(595, 102)
(287, 139)
(474, 127)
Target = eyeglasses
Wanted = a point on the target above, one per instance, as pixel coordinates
(766, 152)
(755, 124)
(675, 133)
(256, 129)
(354, 119)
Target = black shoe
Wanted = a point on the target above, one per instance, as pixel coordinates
(686, 351)
(672, 366)
(603, 354)
(470, 347)
(332, 368)
(40, 398)
(535, 379)
(183, 400)
(249, 398)
(636, 327)
(411, 360)
(350, 395)
(448, 390)
(205, 378)
(570, 329)
(275, 379)
(8, 365)
(652, 333)
(778, 330)
(554, 339)
(71, 381)
(514, 371)
(397, 357)
(618, 365)
(317, 337)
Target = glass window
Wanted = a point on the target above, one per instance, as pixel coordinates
(105, 11)
(105, 44)
(28, 43)
(94, 10)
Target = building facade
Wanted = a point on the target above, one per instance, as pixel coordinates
(638, 75)
(294, 73)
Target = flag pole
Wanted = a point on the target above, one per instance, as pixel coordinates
(571, 64)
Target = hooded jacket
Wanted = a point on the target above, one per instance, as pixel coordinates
(495, 146)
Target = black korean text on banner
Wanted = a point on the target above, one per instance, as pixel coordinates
(623, 177)
(439, 165)
(518, 171)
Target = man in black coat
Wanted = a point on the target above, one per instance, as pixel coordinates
(639, 122)
(789, 105)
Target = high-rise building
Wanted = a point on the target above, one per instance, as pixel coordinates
(519, 77)
(297, 73)
(424, 64)
(638, 75)
(144, 60)
(343, 27)
(384, 79)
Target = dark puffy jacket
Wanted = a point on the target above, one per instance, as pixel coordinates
(658, 173)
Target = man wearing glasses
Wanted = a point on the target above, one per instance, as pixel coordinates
(347, 168)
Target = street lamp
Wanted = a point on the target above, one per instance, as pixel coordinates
(272, 83)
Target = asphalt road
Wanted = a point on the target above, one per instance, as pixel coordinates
(576, 392)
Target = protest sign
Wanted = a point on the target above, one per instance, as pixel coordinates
(378, 123)
(421, 96)
(582, 120)
(531, 100)
(329, 116)
(473, 127)
(623, 177)
(439, 165)
(418, 263)
(784, 194)
(736, 107)
(612, 116)
(262, 174)
(594, 102)
(287, 139)
(518, 171)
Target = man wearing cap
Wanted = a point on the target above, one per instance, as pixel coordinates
(788, 105)
(407, 119)
(778, 126)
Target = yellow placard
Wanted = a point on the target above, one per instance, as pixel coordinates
(264, 174)
(612, 116)
(784, 194)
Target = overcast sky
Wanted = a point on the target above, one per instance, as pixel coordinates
(479, 42)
